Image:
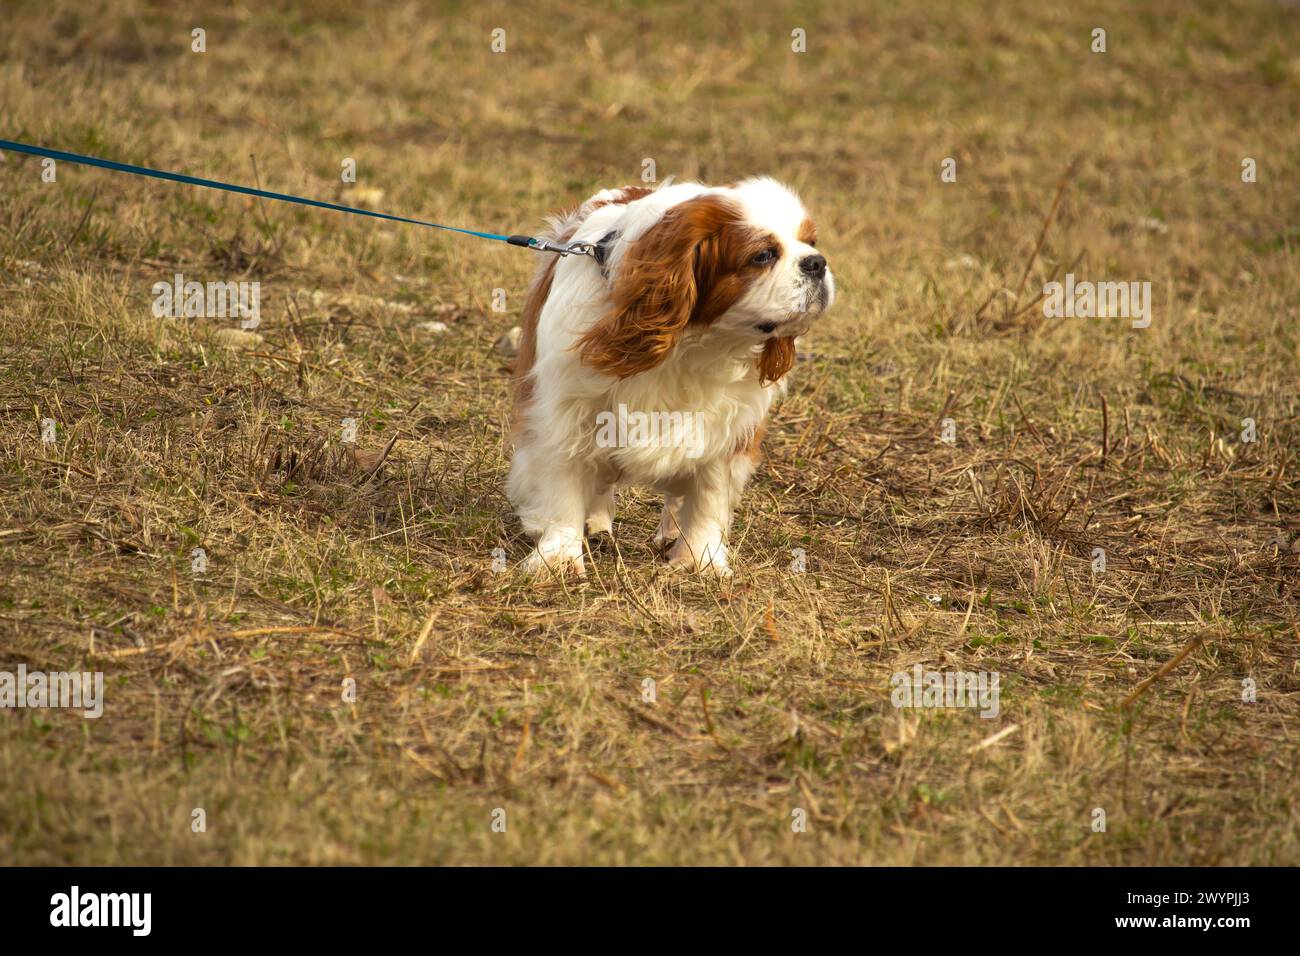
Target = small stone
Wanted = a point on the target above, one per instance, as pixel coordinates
(367, 197)
(508, 344)
(964, 261)
(366, 460)
(1151, 224)
(236, 338)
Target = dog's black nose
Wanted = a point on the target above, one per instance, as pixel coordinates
(814, 266)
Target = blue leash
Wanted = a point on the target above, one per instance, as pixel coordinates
(541, 245)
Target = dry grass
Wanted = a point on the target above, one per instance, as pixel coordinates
(477, 691)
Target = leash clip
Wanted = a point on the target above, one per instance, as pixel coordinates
(547, 245)
(564, 249)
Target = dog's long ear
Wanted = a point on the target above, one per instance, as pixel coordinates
(661, 284)
(776, 360)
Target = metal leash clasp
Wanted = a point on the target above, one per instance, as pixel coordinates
(564, 249)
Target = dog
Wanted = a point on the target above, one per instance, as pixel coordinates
(687, 312)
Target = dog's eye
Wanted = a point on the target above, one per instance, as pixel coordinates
(766, 256)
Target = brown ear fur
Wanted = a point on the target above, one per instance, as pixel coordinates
(657, 290)
(776, 360)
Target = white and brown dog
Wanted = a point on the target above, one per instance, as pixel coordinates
(686, 316)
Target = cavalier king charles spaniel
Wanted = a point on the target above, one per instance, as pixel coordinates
(655, 361)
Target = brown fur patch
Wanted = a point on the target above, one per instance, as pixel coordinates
(776, 360)
(753, 449)
(808, 232)
(629, 194)
(690, 267)
(537, 295)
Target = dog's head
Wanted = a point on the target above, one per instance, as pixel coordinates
(740, 260)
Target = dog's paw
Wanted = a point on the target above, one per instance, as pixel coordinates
(664, 539)
(708, 557)
(538, 564)
(558, 553)
(600, 541)
(600, 525)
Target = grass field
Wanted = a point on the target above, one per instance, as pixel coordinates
(333, 565)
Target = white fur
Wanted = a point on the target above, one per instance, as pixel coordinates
(561, 480)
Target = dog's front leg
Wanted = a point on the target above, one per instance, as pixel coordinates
(553, 505)
(600, 516)
(668, 522)
(705, 518)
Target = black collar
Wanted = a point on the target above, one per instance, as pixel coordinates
(603, 249)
